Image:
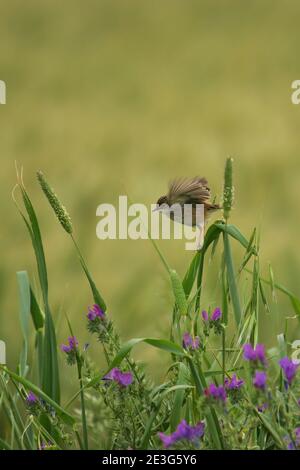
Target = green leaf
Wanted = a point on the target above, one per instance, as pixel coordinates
(50, 363)
(234, 232)
(295, 301)
(24, 292)
(37, 315)
(191, 274)
(4, 445)
(212, 234)
(183, 379)
(231, 280)
(162, 344)
(96, 294)
(36, 238)
(270, 428)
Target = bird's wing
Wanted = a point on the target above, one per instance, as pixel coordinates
(189, 191)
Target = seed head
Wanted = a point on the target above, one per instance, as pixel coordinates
(59, 209)
(228, 191)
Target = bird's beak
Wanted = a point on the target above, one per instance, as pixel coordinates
(155, 209)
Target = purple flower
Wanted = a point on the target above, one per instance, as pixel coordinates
(31, 399)
(95, 312)
(205, 315)
(189, 342)
(70, 350)
(234, 383)
(216, 315)
(212, 322)
(166, 440)
(97, 322)
(249, 352)
(256, 354)
(262, 408)
(183, 432)
(196, 342)
(292, 445)
(260, 379)
(44, 445)
(32, 403)
(260, 353)
(289, 368)
(297, 434)
(73, 343)
(122, 378)
(217, 392)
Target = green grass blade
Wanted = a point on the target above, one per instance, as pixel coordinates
(162, 344)
(24, 293)
(37, 315)
(270, 428)
(177, 408)
(295, 301)
(148, 427)
(235, 233)
(4, 445)
(232, 280)
(39, 339)
(50, 380)
(37, 244)
(98, 299)
(191, 274)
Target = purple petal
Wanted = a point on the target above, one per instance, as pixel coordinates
(187, 340)
(166, 440)
(216, 315)
(260, 353)
(260, 379)
(195, 343)
(205, 315)
(289, 368)
(125, 379)
(249, 353)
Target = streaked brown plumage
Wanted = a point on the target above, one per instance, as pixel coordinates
(189, 191)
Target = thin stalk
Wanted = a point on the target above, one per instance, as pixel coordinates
(84, 424)
(43, 431)
(223, 353)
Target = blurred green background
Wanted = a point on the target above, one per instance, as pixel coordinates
(113, 97)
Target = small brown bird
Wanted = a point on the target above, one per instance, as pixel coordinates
(191, 191)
